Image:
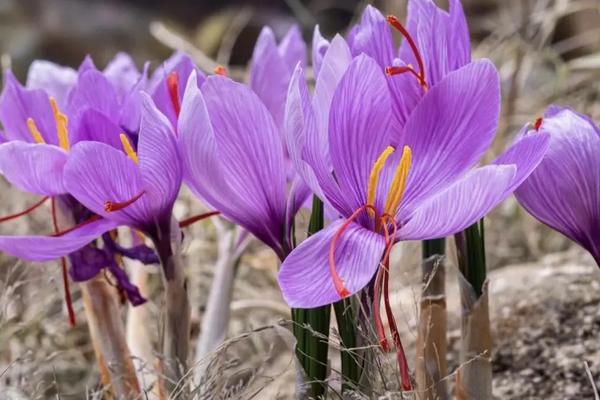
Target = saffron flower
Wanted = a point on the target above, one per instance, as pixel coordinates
(424, 188)
(98, 109)
(233, 154)
(564, 191)
(119, 187)
(233, 159)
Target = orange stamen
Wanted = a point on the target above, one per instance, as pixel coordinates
(112, 206)
(190, 221)
(393, 21)
(220, 70)
(173, 88)
(24, 212)
(337, 281)
(65, 275)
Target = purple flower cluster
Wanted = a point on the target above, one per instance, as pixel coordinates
(390, 140)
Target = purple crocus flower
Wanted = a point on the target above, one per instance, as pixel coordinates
(233, 154)
(423, 188)
(98, 106)
(135, 189)
(564, 191)
(233, 159)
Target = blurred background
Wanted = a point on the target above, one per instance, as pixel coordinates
(545, 293)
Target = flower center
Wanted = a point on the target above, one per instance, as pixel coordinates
(173, 88)
(61, 121)
(396, 70)
(398, 186)
(393, 200)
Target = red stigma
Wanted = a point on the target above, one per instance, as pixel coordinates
(337, 281)
(220, 70)
(80, 225)
(538, 123)
(187, 222)
(110, 206)
(173, 88)
(382, 285)
(393, 21)
(65, 275)
(24, 212)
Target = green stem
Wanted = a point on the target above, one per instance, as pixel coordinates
(433, 247)
(345, 316)
(471, 255)
(312, 349)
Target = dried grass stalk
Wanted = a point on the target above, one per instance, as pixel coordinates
(108, 338)
(431, 364)
(474, 377)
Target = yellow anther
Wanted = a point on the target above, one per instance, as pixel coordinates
(374, 177)
(128, 148)
(398, 186)
(35, 132)
(61, 125)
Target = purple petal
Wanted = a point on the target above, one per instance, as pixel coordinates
(451, 128)
(93, 90)
(204, 172)
(359, 122)
(131, 108)
(33, 168)
(86, 65)
(249, 145)
(131, 291)
(92, 125)
(564, 190)
(198, 147)
(86, 263)
(270, 74)
(52, 78)
(122, 73)
(305, 278)
(461, 204)
(335, 63)
(292, 48)
(159, 158)
(299, 119)
(45, 248)
(525, 154)
(96, 173)
(17, 104)
(373, 37)
(319, 48)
